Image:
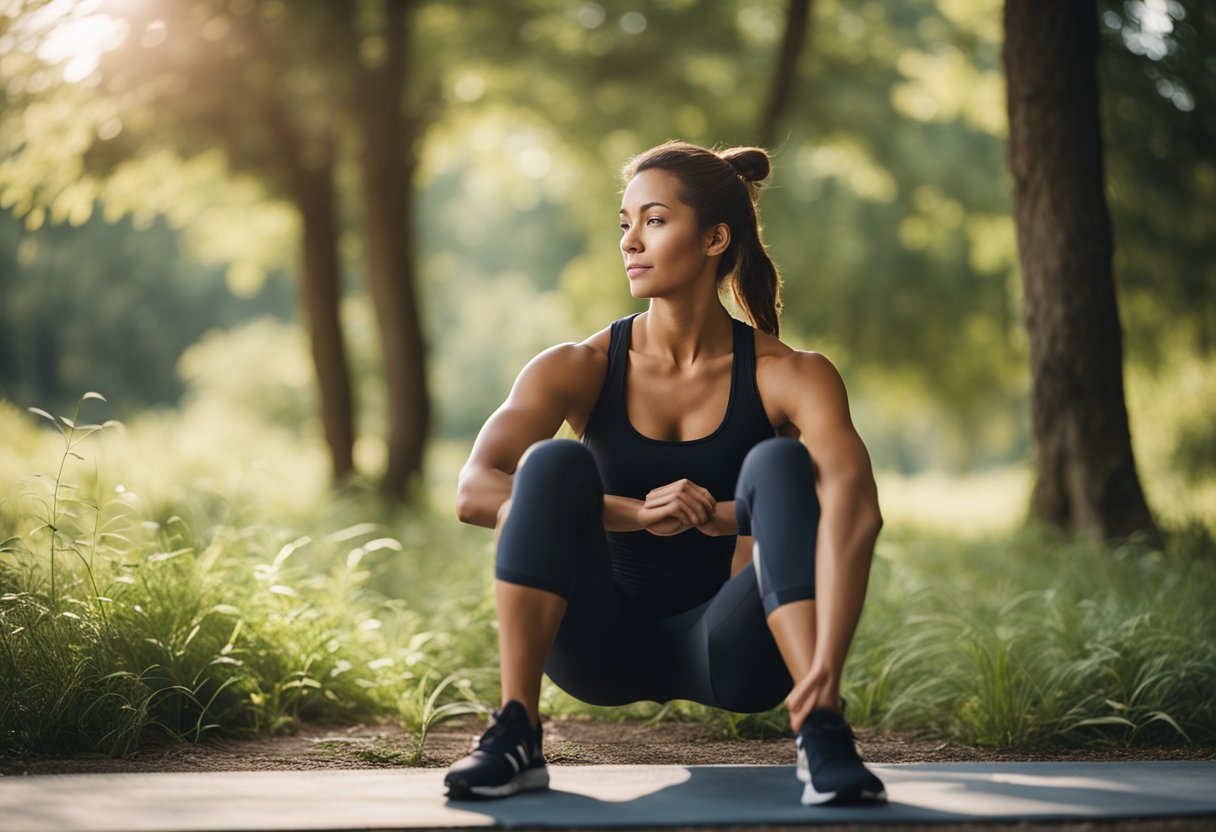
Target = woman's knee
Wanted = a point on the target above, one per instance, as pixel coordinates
(557, 458)
(559, 475)
(778, 474)
(779, 456)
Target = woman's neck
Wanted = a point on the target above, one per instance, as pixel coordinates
(683, 332)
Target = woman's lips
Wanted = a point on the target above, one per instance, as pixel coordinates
(634, 271)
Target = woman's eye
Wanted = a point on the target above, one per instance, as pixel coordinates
(654, 220)
(624, 226)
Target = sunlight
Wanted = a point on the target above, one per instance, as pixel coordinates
(1153, 23)
(75, 35)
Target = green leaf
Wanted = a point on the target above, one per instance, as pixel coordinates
(37, 411)
(1169, 720)
(351, 531)
(290, 549)
(383, 543)
(163, 556)
(190, 637)
(1103, 720)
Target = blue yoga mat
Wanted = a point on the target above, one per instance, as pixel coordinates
(597, 796)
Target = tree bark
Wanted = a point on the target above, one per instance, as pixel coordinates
(311, 187)
(321, 293)
(797, 14)
(1085, 471)
(388, 166)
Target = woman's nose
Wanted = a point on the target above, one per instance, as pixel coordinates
(629, 242)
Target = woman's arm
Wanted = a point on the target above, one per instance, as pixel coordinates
(560, 381)
(621, 513)
(814, 397)
(722, 522)
(554, 384)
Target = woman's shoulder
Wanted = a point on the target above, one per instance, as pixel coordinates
(785, 365)
(573, 366)
(770, 346)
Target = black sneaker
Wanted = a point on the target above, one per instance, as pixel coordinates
(829, 764)
(507, 759)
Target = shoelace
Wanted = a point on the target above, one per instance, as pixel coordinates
(490, 739)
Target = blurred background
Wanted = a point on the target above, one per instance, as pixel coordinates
(299, 244)
(180, 178)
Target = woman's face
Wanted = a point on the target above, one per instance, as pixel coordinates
(663, 247)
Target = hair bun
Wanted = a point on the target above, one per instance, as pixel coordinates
(752, 163)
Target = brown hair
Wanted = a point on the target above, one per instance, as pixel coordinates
(722, 187)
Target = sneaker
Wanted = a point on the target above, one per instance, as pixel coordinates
(507, 759)
(829, 764)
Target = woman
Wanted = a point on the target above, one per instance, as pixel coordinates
(677, 551)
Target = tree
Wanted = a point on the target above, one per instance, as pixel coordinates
(391, 133)
(786, 70)
(171, 89)
(1086, 473)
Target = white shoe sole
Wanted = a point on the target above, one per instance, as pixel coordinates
(526, 781)
(810, 797)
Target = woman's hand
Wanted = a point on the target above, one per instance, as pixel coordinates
(675, 508)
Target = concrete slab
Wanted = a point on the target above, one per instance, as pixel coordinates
(596, 796)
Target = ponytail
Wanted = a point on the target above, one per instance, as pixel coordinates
(756, 285)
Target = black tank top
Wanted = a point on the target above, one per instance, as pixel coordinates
(660, 576)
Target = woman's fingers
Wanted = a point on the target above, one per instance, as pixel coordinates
(687, 489)
(662, 521)
(694, 510)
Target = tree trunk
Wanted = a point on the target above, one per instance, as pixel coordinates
(1086, 473)
(311, 187)
(321, 292)
(784, 74)
(388, 165)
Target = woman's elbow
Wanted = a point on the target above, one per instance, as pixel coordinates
(466, 508)
(866, 520)
(466, 499)
(872, 518)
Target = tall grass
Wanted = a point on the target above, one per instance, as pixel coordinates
(1037, 639)
(120, 629)
(249, 605)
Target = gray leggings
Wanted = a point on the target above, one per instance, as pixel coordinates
(720, 653)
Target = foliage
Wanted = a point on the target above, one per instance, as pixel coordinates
(899, 260)
(202, 580)
(120, 628)
(108, 305)
(1159, 116)
(1033, 639)
(250, 604)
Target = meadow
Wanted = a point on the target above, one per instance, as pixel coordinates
(178, 577)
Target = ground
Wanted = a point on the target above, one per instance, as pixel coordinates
(567, 742)
(586, 742)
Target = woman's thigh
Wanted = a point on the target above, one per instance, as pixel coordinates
(595, 653)
(738, 667)
(720, 653)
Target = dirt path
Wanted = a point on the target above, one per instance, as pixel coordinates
(567, 742)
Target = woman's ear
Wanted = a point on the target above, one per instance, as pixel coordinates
(717, 239)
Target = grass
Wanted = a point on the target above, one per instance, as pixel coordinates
(123, 624)
(145, 597)
(1034, 639)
